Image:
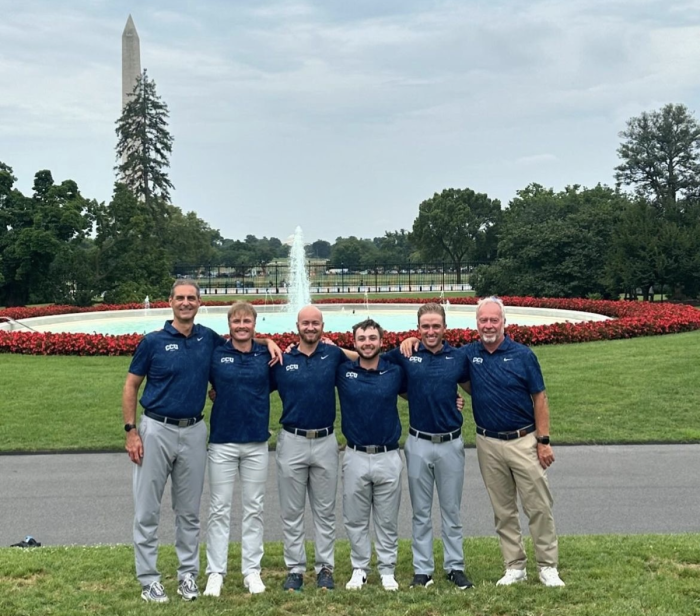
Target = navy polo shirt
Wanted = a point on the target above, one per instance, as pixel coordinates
(176, 368)
(432, 387)
(502, 384)
(368, 411)
(306, 384)
(241, 411)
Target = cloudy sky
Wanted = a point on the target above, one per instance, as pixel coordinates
(343, 115)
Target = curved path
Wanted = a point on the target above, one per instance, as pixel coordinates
(85, 499)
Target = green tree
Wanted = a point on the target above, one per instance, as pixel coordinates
(457, 225)
(320, 249)
(553, 244)
(188, 240)
(660, 155)
(395, 248)
(353, 253)
(144, 144)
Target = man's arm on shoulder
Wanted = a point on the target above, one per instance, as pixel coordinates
(134, 446)
(272, 348)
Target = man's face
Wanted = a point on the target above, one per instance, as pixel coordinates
(241, 327)
(185, 303)
(490, 323)
(310, 325)
(432, 329)
(368, 343)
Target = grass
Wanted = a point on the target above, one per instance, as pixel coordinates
(625, 391)
(610, 575)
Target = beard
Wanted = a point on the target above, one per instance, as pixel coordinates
(369, 353)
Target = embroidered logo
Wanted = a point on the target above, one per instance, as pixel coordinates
(171, 347)
(291, 367)
(507, 359)
(351, 375)
(477, 360)
(415, 359)
(228, 360)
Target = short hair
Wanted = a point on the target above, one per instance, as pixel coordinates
(181, 282)
(368, 324)
(243, 308)
(432, 308)
(491, 300)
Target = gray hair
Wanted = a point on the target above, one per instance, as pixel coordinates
(491, 300)
(182, 282)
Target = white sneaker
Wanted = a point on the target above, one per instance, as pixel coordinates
(549, 576)
(389, 582)
(214, 584)
(512, 576)
(357, 581)
(253, 583)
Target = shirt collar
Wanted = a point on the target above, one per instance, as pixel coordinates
(168, 327)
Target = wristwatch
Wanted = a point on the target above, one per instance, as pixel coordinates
(543, 440)
(129, 427)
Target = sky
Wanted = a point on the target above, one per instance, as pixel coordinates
(343, 116)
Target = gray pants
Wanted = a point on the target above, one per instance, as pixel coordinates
(181, 454)
(372, 486)
(436, 465)
(307, 465)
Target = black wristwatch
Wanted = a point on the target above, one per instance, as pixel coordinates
(543, 440)
(129, 427)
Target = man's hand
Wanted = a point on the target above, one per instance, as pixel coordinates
(409, 345)
(212, 394)
(460, 403)
(134, 446)
(275, 353)
(545, 455)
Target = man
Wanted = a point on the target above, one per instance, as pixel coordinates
(238, 448)
(434, 448)
(511, 412)
(368, 388)
(171, 438)
(307, 450)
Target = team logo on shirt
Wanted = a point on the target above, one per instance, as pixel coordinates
(477, 360)
(291, 367)
(171, 347)
(228, 360)
(415, 358)
(351, 375)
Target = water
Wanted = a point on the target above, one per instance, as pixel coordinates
(298, 294)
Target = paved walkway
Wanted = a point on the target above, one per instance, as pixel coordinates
(85, 499)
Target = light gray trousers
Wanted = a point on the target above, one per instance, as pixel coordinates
(181, 454)
(372, 486)
(229, 462)
(307, 466)
(436, 465)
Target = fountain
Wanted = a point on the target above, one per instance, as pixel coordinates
(298, 293)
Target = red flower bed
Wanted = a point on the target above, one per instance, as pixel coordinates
(632, 319)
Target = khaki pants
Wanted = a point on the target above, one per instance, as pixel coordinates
(509, 469)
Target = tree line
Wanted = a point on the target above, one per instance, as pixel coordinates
(57, 245)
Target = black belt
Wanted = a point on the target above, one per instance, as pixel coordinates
(309, 433)
(436, 438)
(506, 436)
(373, 448)
(180, 423)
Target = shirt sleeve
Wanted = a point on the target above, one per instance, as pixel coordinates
(141, 359)
(394, 356)
(535, 381)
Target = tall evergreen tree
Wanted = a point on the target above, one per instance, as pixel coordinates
(144, 144)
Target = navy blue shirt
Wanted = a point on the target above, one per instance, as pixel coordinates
(368, 411)
(241, 412)
(306, 385)
(176, 368)
(432, 387)
(502, 384)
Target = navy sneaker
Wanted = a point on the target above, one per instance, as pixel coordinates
(458, 578)
(325, 579)
(421, 580)
(294, 582)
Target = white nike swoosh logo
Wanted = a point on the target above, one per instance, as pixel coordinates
(324, 356)
(449, 357)
(200, 339)
(507, 359)
(383, 372)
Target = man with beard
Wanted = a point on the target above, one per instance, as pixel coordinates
(368, 388)
(511, 413)
(307, 450)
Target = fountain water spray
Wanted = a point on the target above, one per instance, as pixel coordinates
(298, 294)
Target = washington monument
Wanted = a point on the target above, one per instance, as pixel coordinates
(131, 59)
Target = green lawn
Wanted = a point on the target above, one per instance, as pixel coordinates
(624, 391)
(605, 576)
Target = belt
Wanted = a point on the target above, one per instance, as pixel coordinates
(373, 448)
(436, 438)
(309, 433)
(180, 423)
(506, 436)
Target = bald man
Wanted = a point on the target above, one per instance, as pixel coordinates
(307, 450)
